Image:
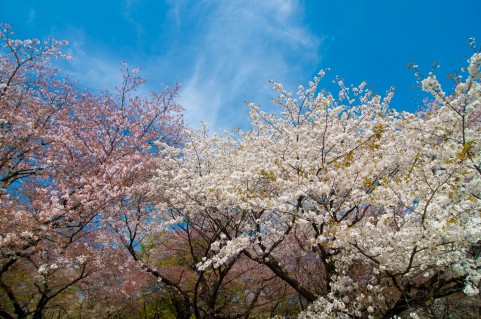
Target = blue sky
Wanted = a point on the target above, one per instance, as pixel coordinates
(225, 52)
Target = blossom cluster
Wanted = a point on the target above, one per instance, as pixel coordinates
(385, 203)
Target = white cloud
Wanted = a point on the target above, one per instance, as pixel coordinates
(128, 8)
(223, 52)
(239, 46)
(90, 67)
(31, 17)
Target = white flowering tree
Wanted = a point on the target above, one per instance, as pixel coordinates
(363, 211)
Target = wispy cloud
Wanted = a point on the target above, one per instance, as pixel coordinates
(90, 67)
(31, 17)
(127, 13)
(239, 46)
(223, 52)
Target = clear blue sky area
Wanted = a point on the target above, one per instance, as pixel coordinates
(225, 52)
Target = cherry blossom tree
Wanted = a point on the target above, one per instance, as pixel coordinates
(330, 207)
(71, 165)
(237, 289)
(364, 211)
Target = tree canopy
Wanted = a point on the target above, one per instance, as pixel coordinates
(332, 206)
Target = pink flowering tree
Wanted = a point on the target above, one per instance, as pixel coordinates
(72, 166)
